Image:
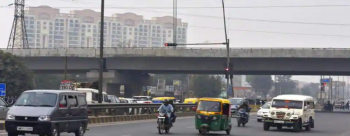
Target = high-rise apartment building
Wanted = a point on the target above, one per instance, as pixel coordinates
(48, 28)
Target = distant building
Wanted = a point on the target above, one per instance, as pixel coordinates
(48, 28)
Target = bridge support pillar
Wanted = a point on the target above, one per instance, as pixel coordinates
(132, 90)
(112, 88)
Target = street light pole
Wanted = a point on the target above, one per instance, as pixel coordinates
(227, 45)
(100, 84)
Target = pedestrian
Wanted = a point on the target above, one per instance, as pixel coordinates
(347, 105)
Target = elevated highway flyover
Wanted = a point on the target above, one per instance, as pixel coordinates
(269, 61)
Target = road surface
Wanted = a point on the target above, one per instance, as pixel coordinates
(326, 124)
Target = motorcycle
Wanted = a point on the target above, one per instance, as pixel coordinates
(242, 117)
(327, 108)
(163, 122)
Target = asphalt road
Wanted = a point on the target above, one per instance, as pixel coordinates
(326, 124)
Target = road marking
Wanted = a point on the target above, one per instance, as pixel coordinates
(191, 127)
(126, 135)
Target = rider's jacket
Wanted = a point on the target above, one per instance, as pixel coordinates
(244, 106)
(166, 109)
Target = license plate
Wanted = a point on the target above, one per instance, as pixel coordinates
(278, 121)
(161, 117)
(25, 128)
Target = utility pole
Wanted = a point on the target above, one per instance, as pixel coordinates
(174, 22)
(101, 62)
(227, 45)
(18, 36)
(343, 88)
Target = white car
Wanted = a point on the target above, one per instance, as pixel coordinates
(264, 109)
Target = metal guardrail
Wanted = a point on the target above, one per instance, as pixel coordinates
(177, 48)
(133, 108)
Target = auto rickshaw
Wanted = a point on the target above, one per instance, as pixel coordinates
(161, 99)
(191, 100)
(213, 114)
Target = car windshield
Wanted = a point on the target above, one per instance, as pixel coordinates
(209, 106)
(287, 104)
(37, 99)
(266, 105)
(141, 98)
(235, 101)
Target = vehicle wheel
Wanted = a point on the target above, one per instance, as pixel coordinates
(80, 131)
(279, 127)
(243, 124)
(159, 129)
(228, 131)
(238, 123)
(200, 131)
(259, 120)
(54, 132)
(266, 126)
(167, 130)
(312, 123)
(296, 126)
(12, 134)
(308, 127)
(204, 131)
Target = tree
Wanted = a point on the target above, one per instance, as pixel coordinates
(206, 85)
(13, 72)
(260, 83)
(310, 89)
(285, 85)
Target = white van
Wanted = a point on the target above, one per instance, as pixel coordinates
(92, 95)
(296, 111)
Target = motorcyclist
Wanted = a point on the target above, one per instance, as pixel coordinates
(167, 109)
(173, 115)
(245, 106)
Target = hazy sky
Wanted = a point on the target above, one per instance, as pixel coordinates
(252, 23)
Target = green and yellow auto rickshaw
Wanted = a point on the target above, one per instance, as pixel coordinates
(213, 114)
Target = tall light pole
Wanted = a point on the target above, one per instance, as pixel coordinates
(100, 84)
(227, 46)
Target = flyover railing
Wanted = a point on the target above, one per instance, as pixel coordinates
(132, 108)
(170, 48)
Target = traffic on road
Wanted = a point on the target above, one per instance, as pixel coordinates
(186, 127)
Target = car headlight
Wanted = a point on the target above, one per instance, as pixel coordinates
(10, 117)
(272, 113)
(44, 118)
(198, 116)
(288, 114)
(214, 118)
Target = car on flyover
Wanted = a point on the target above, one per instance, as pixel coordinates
(264, 110)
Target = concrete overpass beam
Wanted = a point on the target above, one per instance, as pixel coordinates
(112, 88)
(132, 90)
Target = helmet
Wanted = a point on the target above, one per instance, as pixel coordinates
(166, 102)
(245, 102)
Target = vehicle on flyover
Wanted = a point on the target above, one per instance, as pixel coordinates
(213, 114)
(48, 112)
(264, 110)
(296, 111)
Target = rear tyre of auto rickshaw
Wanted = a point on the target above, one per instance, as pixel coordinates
(312, 123)
(266, 126)
(204, 131)
(243, 124)
(228, 131)
(200, 131)
(239, 123)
